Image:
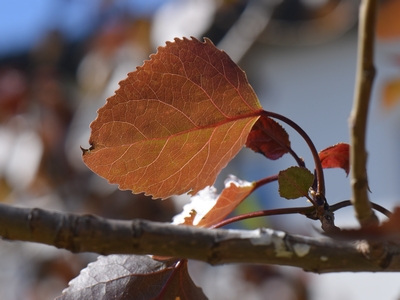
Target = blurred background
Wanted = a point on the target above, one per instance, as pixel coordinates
(60, 60)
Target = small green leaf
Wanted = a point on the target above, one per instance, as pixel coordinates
(295, 182)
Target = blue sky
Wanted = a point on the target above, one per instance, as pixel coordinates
(23, 23)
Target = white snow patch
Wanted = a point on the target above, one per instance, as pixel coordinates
(301, 249)
(205, 200)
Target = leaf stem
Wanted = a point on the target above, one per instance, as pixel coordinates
(289, 149)
(307, 211)
(358, 118)
(266, 180)
(264, 213)
(375, 206)
(174, 272)
(299, 161)
(317, 161)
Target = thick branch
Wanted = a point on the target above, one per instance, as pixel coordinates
(358, 119)
(87, 233)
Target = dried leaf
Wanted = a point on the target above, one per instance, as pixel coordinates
(391, 93)
(388, 21)
(268, 138)
(337, 156)
(175, 122)
(295, 182)
(133, 277)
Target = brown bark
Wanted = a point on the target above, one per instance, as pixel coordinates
(88, 233)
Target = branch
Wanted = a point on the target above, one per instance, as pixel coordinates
(88, 233)
(358, 118)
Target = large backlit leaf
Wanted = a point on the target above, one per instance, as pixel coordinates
(295, 182)
(268, 138)
(138, 277)
(175, 122)
(337, 156)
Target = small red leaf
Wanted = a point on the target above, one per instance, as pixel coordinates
(175, 122)
(337, 156)
(268, 138)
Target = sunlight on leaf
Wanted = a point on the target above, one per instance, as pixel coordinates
(268, 138)
(201, 204)
(190, 219)
(175, 122)
(212, 208)
(337, 156)
(235, 192)
(295, 182)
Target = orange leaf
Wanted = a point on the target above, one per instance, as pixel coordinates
(388, 21)
(268, 138)
(175, 122)
(234, 193)
(199, 205)
(211, 208)
(190, 219)
(337, 156)
(391, 93)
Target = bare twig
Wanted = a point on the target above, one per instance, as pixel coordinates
(358, 118)
(265, 213)
(87, 233)
(375, 206)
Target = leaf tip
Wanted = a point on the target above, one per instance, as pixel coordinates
(84, 151)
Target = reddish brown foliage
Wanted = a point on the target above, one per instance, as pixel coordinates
(268, 138)
(388, 22)
(229, 199)
(175, 122)
(337, 156)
